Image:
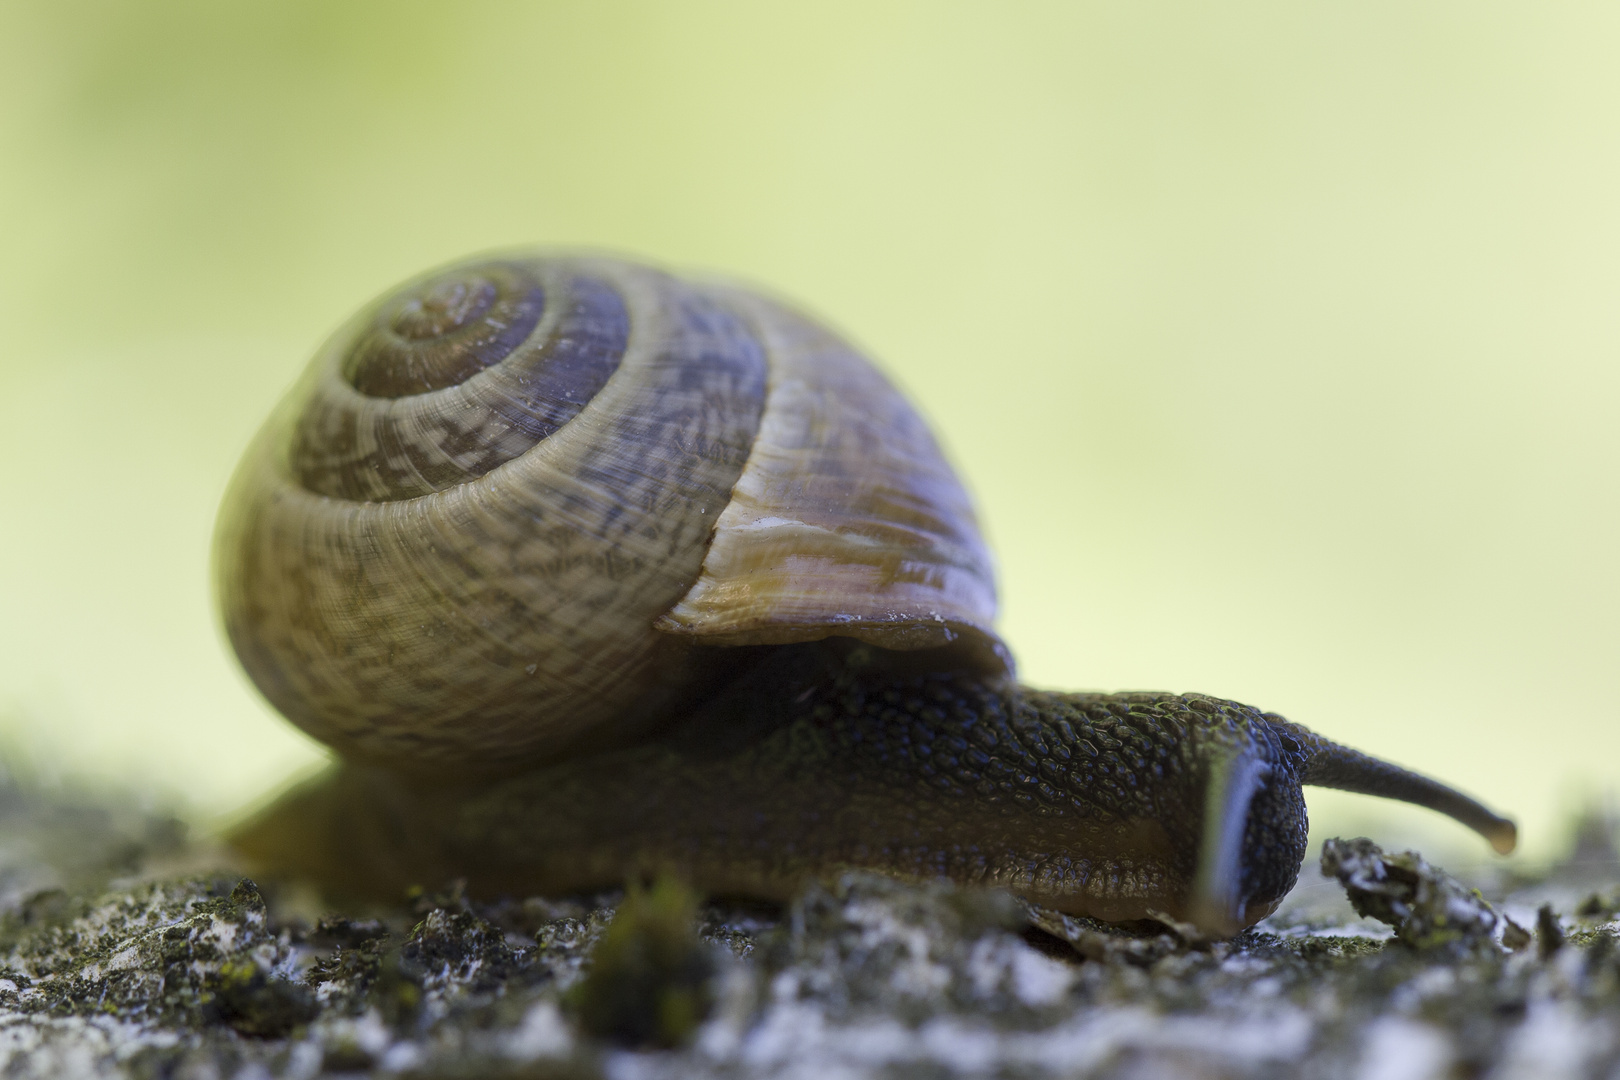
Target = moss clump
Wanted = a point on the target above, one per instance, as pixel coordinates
(1343, 948)
(1549, 932)
(247, 999)
(649, 976)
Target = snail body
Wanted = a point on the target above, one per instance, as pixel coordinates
(587, 571)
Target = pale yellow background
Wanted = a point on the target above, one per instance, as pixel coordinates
(1278, 341)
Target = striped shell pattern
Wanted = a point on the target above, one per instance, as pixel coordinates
(513, 504)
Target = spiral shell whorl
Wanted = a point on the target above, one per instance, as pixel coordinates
(445, 330)
(483, 528)
(454, 376)
(507, 609)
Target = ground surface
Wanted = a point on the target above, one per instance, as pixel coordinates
(119, 958)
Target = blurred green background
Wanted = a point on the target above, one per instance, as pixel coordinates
(1277, 340)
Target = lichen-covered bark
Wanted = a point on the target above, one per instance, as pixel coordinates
(184, 974)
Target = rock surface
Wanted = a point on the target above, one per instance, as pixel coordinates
(114, 961)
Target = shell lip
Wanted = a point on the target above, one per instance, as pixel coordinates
(974, 648)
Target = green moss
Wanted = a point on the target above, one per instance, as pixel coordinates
(649, 975)
(1336, 948)
(250, 1001)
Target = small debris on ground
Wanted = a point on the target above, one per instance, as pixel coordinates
(1428, 908)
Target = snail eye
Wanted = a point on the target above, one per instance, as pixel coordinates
(444, 331)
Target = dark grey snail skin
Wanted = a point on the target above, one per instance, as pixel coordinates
(1121, 807)
(590, 573)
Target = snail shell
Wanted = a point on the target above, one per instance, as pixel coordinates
(508, 502)
(601, 529)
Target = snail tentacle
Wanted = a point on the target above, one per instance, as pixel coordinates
(1330, 765)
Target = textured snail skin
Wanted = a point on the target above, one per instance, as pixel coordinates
(823, 758)
(588, 573)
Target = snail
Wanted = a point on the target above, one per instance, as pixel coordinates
(588, 571)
